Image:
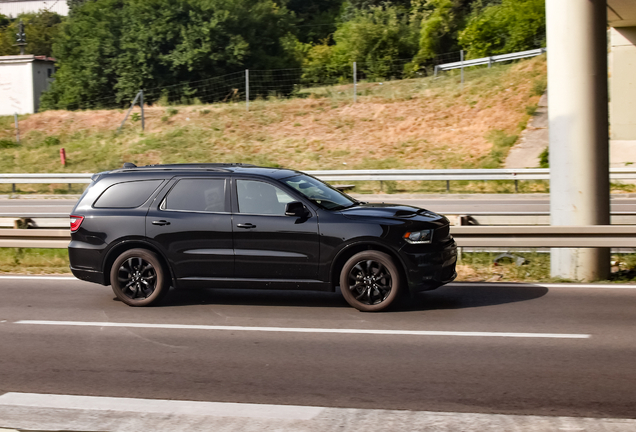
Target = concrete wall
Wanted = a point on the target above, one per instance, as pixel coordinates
(14, 8)
(16, 88)
(22, 81)
(42, 78)
(623, 83)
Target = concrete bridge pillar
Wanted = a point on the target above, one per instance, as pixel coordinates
(578, 121)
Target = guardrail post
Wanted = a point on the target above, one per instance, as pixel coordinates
(489, 62)
(447, 186)
(461, 53)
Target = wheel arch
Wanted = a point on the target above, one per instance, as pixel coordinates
(349, 251)
(125, 245)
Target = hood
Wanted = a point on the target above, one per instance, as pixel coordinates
(392, 211)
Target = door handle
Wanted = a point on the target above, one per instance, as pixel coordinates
(246, 225)
(160, 222)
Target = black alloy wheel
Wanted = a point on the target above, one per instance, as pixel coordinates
(137, 278)
(369, 281)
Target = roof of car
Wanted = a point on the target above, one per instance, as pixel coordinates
(207, 167)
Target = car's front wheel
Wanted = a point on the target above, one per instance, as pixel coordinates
(370, 281)
(137, 278)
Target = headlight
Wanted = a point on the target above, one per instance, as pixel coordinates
(419, 237)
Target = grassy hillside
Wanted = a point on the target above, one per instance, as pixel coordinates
(418, 123)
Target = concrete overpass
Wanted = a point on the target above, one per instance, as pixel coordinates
(580, 124)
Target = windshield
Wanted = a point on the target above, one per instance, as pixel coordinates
(320, 193)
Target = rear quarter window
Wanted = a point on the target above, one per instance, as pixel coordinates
(127, 195)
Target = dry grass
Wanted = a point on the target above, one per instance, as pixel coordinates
(421, 123)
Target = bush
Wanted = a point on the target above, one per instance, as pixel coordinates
(544, 158)
(51, 141)
(6, 143)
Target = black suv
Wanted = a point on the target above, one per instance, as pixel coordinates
(144, 229)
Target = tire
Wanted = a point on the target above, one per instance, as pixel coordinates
(138, 278)
(370, 281)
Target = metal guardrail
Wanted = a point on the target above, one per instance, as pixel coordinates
(29, 238)
(60, 220)
(44, 178)
(618, 236)
(490, 60)
(362, 175)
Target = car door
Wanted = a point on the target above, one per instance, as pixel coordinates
(267, 243)
(192, 224)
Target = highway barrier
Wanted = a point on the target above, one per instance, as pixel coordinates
(358, 175)
(616, 236)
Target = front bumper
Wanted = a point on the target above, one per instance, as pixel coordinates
(430, 266)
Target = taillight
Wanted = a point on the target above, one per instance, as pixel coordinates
(76, 221)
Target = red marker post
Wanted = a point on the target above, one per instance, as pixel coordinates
(63, 156)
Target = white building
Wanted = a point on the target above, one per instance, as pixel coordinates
(13, 8)
(23, 78)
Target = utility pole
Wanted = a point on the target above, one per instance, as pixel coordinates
(21, 37)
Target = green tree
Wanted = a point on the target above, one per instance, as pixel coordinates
(375, 37)
(156, 43)
(315, 20)
(41, 29)
(442, 20)
(512, 25)
(74, 4)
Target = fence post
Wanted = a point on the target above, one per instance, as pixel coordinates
(17, 128)
(355, 83)
(461, 53)
(141, 104)
(132, 105)
(247, 89)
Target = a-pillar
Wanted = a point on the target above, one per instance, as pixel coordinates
(578, 116)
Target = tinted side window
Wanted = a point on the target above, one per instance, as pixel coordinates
(197, 195)
(257, 197)
(127, 195)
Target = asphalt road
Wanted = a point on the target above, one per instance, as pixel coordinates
(445, 204)
(509, 349)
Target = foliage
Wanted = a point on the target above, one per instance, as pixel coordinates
(544, 158)
(7, 143)
(41, 30)
(509, 26)
(375, 37)
(501, 143)
(315, 20)
(74, 4)
(126, 45)
(438, 29)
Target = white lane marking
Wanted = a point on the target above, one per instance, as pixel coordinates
(305, 330)
(217, 409)
(591, 286)
(40, 277)
(546, 285)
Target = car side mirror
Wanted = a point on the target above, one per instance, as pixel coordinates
(295, 208)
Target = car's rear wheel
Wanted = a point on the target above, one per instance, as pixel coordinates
(370, 281)
(138, 278)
